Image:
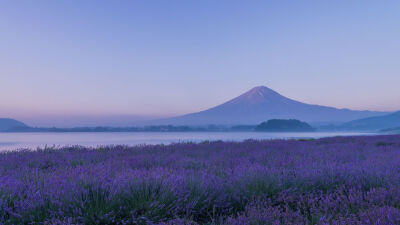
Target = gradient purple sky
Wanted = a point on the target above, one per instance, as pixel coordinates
(88, 62)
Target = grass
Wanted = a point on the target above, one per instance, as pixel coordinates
(340, 180)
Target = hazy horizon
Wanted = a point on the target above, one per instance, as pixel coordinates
(135, 120)
(96, 63)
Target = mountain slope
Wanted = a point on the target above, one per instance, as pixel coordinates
(395, 130)
(6, 124)
(375, 123)
(261, 104)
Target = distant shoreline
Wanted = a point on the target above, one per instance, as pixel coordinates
(42, 140)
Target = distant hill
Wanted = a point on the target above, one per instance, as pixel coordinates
(375, 123)
(261, 104)
(391, 130)
(6, 124)
(284, 126)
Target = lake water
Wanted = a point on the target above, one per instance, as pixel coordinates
(13, 141)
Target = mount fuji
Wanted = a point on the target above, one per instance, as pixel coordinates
(262, 103)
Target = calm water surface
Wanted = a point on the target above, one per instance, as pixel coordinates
(13, 141)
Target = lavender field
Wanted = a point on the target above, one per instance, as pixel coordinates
(340, 180)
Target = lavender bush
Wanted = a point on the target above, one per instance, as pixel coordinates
(341, 180)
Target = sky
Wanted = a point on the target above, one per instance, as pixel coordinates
(72, 63)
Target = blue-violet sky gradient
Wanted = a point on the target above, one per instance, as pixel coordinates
(63, 62)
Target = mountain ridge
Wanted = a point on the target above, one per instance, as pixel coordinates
(7, 123)
(389, 121)
(262, 103)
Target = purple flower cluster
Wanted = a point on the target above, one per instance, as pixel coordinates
(340, 180)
